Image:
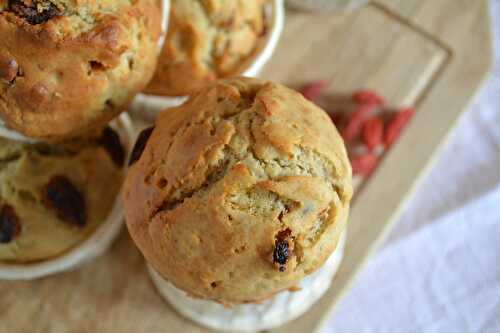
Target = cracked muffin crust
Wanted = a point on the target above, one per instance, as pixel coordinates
(52, 197)
(206, 40)
(239, 193)
(67, 66)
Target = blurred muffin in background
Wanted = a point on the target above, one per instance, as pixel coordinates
(52, 197)
(206, 40)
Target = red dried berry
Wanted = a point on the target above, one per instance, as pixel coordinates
(364, 164)
(396, 125)
(313, 90)
(140, 144)
(355, 121)
(61, 196)
(367, 97)
(9, 224)
(373, 130)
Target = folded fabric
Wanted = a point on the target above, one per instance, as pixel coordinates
(443, 278)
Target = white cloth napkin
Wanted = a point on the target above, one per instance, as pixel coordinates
(445, 277)
(439, 271)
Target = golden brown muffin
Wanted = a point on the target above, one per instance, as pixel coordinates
(240, 192)
(52, 197)
(206, 40)
(67, 66)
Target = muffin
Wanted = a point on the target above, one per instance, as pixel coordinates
(206, 40)
(52, 197)
(68, 66)
(239, 193)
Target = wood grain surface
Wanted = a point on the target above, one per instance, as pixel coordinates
(430, 53)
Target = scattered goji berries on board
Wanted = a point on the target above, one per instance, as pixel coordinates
(367, 97)
(368, 127)
(355, 121)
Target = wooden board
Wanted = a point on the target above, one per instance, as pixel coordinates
(431, 53)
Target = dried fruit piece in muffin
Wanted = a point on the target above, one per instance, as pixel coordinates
(61, 196)
(283, 247)
(111, 142)
(10, 226)
(140, 144)
(34, 11)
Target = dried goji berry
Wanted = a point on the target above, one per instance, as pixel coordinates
(355, 121)
(312, 90)
(364, 164)
(373, 130)
(396, 125)
(336, 118)
(367, 97)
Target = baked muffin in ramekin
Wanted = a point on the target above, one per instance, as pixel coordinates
(208, 40)
(236, 197)
(60, 203)
(67, 67)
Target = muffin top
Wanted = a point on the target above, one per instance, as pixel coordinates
(67, 66)
(52, 197)
(240, 192)
(206, 40)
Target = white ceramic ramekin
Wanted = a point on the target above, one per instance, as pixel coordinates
(330, 5)
(13, 135)
(280, 309)
(147, 106)
(93, 246)
(165, 15)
